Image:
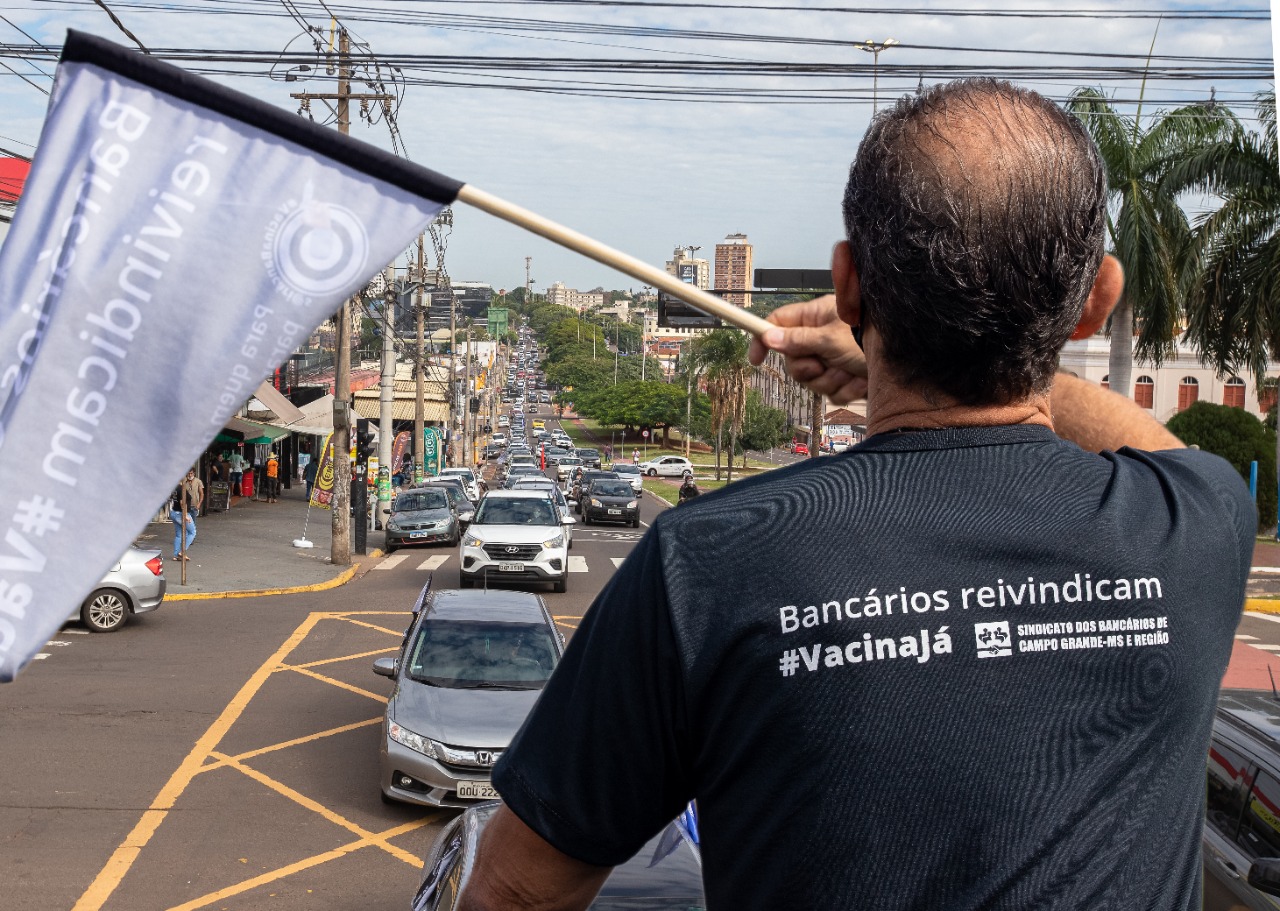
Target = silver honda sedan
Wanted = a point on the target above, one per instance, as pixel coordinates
(469, 670)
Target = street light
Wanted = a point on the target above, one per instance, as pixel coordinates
(874, 48)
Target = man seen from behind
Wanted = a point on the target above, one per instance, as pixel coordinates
(972, 662)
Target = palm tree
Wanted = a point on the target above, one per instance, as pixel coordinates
(1147, 227)
(724, 352)
(1233, 302)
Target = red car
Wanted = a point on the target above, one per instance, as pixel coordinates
(800, 448)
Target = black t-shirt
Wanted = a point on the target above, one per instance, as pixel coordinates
(954, 669)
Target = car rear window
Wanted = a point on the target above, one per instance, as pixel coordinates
(611, 488)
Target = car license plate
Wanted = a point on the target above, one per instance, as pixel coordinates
(477, 790)
(420, 534)
(511, 567)
(615, 512)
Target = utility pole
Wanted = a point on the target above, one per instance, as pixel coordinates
(386, 397)
(419, 418)
(528, 282)
(340, 508)
(468, 437)
(815, 425)
(453, 379)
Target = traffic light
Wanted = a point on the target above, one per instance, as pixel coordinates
(364, 439)
(475, 404)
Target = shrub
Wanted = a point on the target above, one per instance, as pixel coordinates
(1238, 437)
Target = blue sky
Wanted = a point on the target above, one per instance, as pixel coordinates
(647, 175)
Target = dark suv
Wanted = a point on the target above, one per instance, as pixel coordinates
(590, 457)
(1242, 818)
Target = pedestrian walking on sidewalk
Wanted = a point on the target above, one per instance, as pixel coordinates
(237, 472)
(635, 456)
(186, 499)
(273, 479)
(309, 476)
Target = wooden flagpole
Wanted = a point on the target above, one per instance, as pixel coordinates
(531, 221)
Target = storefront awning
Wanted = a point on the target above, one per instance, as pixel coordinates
(255, 432)
(401, 410)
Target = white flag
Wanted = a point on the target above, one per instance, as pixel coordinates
(175, 242)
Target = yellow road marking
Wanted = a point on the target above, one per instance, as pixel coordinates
(377, 651)
(398, 633)
(338, 683)
(305, 864)
(320, 809)
(567, 616)
(261, 751)
(121, 860)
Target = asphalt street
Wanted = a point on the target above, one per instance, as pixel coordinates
(223, 753)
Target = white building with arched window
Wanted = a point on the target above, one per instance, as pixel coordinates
(1180, 381)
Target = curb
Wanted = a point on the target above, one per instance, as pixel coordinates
(341, 579)
(1262, 605)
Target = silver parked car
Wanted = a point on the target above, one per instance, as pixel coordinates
(135, 585)
(471, 667)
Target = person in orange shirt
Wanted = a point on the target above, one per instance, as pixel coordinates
(273, 479)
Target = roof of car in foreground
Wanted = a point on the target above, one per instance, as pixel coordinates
(515, 494)
(495, 605)
(1257, 710)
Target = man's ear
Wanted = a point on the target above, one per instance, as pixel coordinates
(1103, 297)
(844, 275)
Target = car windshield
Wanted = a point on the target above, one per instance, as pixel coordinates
(463, 654)
(611, 488)
(422, 499)
(512, 511)
(464, 473)
(626, 469)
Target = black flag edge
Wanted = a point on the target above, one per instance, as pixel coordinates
(176, 82)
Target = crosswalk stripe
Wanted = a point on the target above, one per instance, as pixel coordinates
(41, 656)
(434, 562)
(1268, 648)
(617, 561)
(74, 632)
(1243, 636)
(392, 562)
(577, 564)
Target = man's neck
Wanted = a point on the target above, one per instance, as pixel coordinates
(892, 407)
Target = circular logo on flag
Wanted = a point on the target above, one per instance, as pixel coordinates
(320, 248)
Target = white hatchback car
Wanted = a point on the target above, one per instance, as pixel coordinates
(516, 536)
(667, 467)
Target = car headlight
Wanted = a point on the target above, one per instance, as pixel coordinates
(551, 544)
(393, 525)
(596, 503)
(631, 505)
(472, 541)
(415, 742)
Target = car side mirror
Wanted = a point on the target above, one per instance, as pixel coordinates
(1264, 875)
(385, 667)
(572, 503)
(568, 520)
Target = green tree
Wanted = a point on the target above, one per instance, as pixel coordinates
(1238, 437)
(763, 426)
(1147, 228)
(728, 373)
(1233, 308)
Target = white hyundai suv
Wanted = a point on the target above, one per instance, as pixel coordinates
(516, 535)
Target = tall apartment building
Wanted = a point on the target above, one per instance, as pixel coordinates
(561, 296)
(733, 268)
(691, 271)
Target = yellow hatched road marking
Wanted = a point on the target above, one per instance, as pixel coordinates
(122, 859)
(323, 661)
(261, 751)
(376, 697)
(320, 809)
(280, 873)
(398, 633)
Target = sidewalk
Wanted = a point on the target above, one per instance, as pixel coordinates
(249, 550)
